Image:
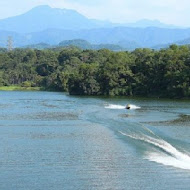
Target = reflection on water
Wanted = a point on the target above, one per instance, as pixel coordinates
(53, 141)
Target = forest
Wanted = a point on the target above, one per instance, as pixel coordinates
(142, 72)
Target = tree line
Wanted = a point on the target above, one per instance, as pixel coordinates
(142, 72)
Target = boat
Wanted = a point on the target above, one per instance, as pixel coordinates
(128, 106)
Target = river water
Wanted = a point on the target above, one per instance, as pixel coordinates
(53, 141)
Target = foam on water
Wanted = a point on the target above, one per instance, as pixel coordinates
(134, 107)
(169, 156)
(115, 106)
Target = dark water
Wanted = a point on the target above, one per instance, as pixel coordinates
(52, 141)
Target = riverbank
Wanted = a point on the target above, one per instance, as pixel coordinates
(20, 88)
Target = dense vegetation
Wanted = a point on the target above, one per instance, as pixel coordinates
(144, 72)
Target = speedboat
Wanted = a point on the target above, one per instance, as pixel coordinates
(128, 106)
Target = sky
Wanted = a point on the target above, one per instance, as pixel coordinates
(176, 12)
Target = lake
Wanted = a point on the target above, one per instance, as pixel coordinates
(52, 141)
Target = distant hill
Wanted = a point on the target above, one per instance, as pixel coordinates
(137, 37)
(128, 44)
(38, 46)
(18, 39)
(45, 26)
(44, 17)
(82, 44)
(129, 38)
(144, 23)
(184, 42)
(181, 42)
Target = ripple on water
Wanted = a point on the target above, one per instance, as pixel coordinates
(183, 119)
(47, 116)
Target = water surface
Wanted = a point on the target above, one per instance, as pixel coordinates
(54, 141)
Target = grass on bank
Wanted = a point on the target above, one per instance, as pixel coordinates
(14, 88)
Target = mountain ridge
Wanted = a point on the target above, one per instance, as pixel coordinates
(44, 24)
(129, 38)
(44, 17)
(79, 43)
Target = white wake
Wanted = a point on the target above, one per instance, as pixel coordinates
(170, 155)
(115, 106)
(134, 107)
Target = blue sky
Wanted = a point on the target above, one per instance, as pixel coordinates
(175, 12)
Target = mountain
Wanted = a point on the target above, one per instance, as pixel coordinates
(44, 17)
(185, 41)
(44, 24)
(144, 23)
(140, 37)
(128, 44)
(82, 44)
(129, 38)
(18, 39)
(38, 46)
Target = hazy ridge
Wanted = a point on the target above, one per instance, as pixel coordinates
(33, 27)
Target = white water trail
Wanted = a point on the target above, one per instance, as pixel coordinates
(115, 106)
(134, 107)
(171, 157)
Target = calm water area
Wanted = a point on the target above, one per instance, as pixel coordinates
(53, 141)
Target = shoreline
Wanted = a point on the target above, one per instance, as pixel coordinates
(20, 88)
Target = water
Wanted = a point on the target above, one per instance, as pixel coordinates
(53, 141)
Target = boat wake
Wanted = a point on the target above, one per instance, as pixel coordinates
(134, 107)
(152, 146)
(162, 152)
(115, 106)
